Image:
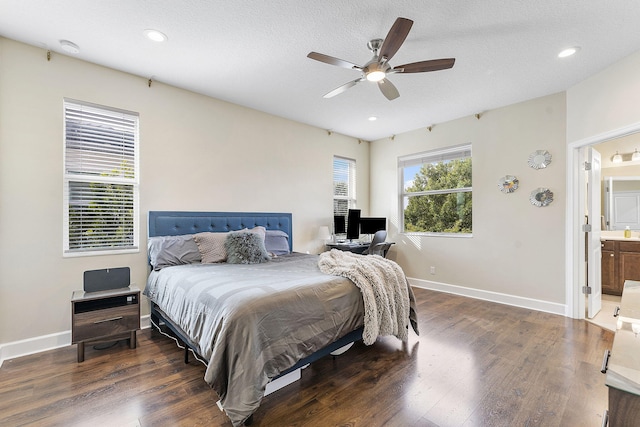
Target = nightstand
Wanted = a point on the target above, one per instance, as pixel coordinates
(104, 315)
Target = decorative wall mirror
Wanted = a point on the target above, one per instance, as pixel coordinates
(541, 197)
(508, 184)
(539, 159)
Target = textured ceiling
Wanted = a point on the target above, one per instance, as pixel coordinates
(253, 53)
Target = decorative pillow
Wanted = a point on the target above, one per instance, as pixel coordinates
(165, 251)
(259, 230)
(276, 242)
(245, 247)
(211, 247)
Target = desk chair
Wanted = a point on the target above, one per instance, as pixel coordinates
(378, 245)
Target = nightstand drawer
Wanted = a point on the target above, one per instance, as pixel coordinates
(100, 323)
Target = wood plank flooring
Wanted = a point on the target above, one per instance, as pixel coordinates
(476, 363)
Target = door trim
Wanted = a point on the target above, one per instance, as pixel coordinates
(574, 241)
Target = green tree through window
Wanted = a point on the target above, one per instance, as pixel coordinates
(437, 196)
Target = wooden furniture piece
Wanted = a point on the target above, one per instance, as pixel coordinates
(620, 262)
(104, 316)
(622, 363)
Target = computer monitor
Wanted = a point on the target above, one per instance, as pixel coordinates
(369, 225)
(339, 224)
(353, 224)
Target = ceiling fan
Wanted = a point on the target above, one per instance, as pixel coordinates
(377, 69)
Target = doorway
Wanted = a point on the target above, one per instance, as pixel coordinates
(574, 236)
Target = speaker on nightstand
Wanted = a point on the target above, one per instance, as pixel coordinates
(107, 278)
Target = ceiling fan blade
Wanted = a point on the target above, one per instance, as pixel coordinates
(424, 66)
(388, 89)
(333, 61)
(344, 87)
(397, 34)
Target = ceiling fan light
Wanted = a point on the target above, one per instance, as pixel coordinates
(617, 158)
(635, 156)
(376, 75)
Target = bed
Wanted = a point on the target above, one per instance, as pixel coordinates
(254, 324)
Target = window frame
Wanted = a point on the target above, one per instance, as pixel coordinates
(351, 197)
(441, 154)
(77, 181)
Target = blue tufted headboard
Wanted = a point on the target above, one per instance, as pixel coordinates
(174, 223)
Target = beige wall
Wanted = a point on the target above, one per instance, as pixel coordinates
(516, 248)
(197, 153)
(605, 101)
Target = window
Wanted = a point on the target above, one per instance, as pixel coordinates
(100, 179)
(436, 191)
(344, 186)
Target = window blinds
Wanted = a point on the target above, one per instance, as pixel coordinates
(436, 156)
(101, 177)
(344, 185)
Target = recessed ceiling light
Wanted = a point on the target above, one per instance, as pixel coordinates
(568, 52)
(373, 118)
(155, 35)
(68, 46)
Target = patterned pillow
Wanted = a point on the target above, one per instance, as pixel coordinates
(211, 247)
(245, 248)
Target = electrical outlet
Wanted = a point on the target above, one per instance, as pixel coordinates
(432, 270)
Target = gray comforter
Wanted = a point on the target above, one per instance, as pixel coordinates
(253, 322)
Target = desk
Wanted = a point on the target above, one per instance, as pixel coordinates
(355, 247)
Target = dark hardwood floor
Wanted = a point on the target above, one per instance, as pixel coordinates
(475, 363)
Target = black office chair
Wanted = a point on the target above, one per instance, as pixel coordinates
(378, 245)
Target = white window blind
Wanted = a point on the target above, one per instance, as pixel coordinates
(344, 185)
(100, 178)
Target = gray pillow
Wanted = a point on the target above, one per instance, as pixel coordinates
(276, 242)
(245, 247)
(165, 251)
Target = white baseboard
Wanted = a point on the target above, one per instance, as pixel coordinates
(20, 348)
(516, 301)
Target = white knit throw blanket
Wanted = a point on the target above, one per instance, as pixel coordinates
(384, 291)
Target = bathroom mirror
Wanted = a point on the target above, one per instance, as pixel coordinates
(621, 202)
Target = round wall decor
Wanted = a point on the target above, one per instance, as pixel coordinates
(539, 159)
(508, 184)
(541, 197)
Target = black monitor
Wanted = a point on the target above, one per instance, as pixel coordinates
(339, 224)
(353, 224)
(371, 225)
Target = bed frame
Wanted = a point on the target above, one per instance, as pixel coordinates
(173, 223)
